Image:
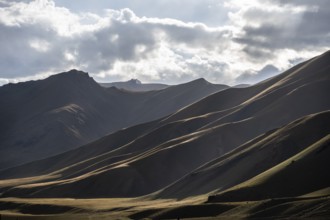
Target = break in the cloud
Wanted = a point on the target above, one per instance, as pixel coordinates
(251, 41)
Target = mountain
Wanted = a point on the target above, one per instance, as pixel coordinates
(287, 176)
(255, 157)
(179, 144)
(47, 117)
(135, 85)
(241, 85)
(259, 151)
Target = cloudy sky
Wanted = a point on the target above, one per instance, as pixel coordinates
(168, 41)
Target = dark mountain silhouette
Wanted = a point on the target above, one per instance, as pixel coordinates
(135, 85)
(46, 117)
(267, 143)
(187, 139)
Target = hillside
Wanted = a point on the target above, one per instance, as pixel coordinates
(51, 116)
(254, 157)
(259, 151)
(182, 142)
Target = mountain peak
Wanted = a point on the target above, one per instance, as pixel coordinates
(72, 72)
(71, 78)
(71, 75)
(75, 71)
(134, 81)
(200, 81)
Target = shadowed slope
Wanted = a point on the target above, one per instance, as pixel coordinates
(252, 158)
(299, 175)
(47, 117)
(135, 167)
(234, 98)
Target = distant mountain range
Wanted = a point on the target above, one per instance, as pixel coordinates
(135, 85)
(47, 117)
(257, 151)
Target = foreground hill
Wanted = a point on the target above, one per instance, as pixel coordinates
(226, 128)
(255, 152)
(46, 117)
(287, 179)
(266, 152)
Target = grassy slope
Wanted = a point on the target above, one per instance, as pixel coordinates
(299, 175)
(174, 148)
(252, 158)
(286, 189)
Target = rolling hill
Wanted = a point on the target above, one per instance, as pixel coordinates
(256, 151)
(47, 117)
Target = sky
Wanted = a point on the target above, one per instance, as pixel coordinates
(166, 41)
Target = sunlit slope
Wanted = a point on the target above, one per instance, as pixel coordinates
(252, 158)
(149, 157)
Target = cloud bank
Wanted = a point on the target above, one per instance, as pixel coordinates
(257, 39)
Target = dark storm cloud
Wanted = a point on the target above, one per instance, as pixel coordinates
(304, 30)
(97, 50)
(18, 58)
(119, 41)
(255, 52)
(275, 36)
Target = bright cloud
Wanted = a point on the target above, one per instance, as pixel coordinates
(40, 45)
(255, 39)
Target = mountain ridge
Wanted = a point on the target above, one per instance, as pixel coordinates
(222, 128)
(70, 109)
(235, 153)
(135, 85)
